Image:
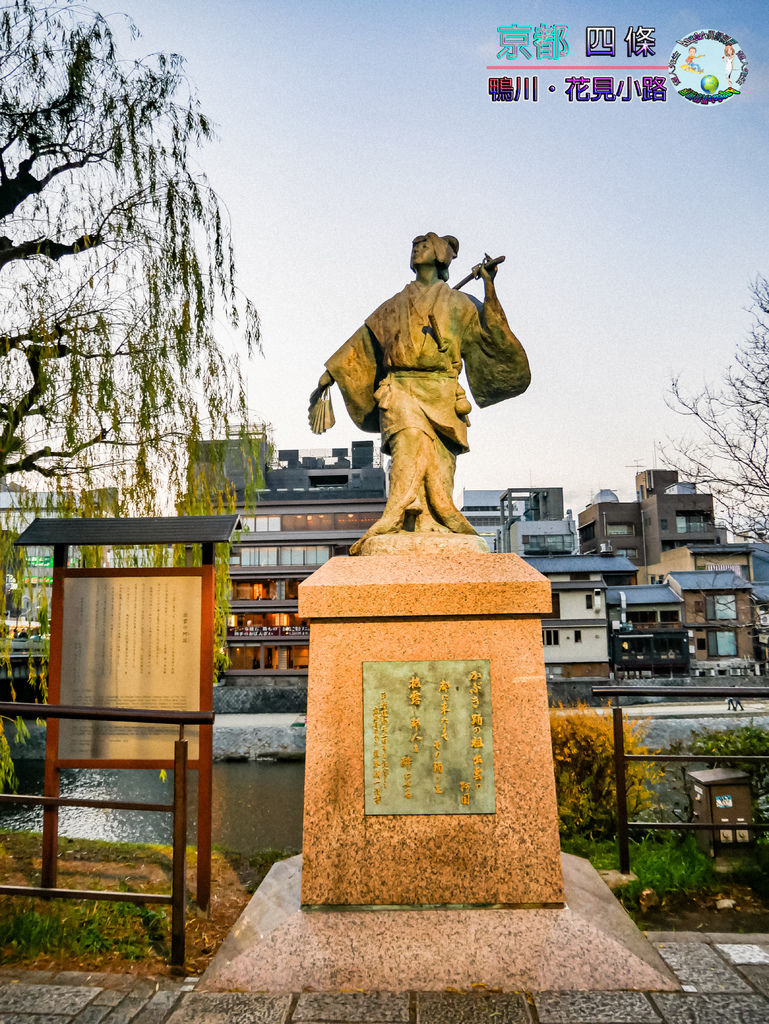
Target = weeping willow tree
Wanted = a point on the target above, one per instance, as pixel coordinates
(115, 264)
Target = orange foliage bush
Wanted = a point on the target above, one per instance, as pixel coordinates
(583, 755)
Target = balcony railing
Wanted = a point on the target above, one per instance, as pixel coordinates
(256, 631)
(694, 526)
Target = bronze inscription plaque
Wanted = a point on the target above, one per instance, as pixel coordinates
(427, 739)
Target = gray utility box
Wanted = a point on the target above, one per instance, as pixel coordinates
(721, 796)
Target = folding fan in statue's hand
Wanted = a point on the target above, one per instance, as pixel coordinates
(321, 414)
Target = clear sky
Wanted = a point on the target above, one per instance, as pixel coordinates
(632, 230)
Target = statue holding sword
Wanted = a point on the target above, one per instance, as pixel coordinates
(398, 374)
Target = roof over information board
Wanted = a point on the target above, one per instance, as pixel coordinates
(147, 530)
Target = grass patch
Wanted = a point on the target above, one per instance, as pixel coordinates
(80, 929)
(89, 934)
(669, 865)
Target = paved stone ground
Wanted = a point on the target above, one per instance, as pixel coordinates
(725, 980)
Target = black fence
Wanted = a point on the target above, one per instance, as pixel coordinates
(621, 758)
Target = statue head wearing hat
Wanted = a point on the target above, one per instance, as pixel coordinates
(437, 249)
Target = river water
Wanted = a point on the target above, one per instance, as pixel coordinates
(256, 804)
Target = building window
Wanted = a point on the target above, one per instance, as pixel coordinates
(304, 555)
(546, 543)
(577, 636)
(669, 615)
(260, 524)
(254, 556)
(588, 601)
(642, 617)
(620, 530)
(556, 612)
(663, 524)
(311, 521)
(691, 522)
(701, 643)
(721, 606)
(551, 638)
(722, 643)
(587, 532)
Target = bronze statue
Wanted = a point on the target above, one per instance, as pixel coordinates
(398, 374)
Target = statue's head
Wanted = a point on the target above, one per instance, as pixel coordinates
(437, 249)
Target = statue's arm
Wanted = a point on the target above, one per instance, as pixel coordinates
(495, 325)
(495, 361)
(355, 368)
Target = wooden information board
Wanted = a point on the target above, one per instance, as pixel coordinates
(138, 639)
(131, 642)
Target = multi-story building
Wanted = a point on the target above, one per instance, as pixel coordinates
(481, 510)
(760, 596)
(646, 633)
(546, 537)
(719, 616)
(575, 633)
(313, 506)
(749, 560)
(666, 514)
(533, 523)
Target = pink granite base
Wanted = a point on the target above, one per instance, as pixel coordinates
(591, 944)
(395, 609)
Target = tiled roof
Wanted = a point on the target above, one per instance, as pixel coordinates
(160, 530)
(581, 563)
(709, 579)
(645, 594)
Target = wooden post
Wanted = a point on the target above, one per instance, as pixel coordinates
(205, 732)
(51, 781)
(619, 775)
(178, 885)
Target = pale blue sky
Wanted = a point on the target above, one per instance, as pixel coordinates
(632, 230)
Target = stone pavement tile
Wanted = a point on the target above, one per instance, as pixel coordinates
(92, 1014)
(758, 976)
(45, 999)
(128, 1007)
(759, 938)
(595, 1008)
(486, 1008)
(102, 979)
(34, 1018)
(231, 1008)
(379, 1007)
(10, 974)
(700, 968)
(159, 1007)
(744, 952)
(656, 937)
(712, 1008)
(109, 997)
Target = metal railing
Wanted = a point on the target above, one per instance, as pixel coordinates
(177, 899)
(621, 758)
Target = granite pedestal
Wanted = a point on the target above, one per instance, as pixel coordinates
(590, 944)
(456, 611)
(449, 888)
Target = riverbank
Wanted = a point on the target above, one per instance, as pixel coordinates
(77, 935)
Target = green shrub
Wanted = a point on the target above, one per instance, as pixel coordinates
(583, 755)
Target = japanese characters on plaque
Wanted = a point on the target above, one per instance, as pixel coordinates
(129, 642)
(427, 738)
